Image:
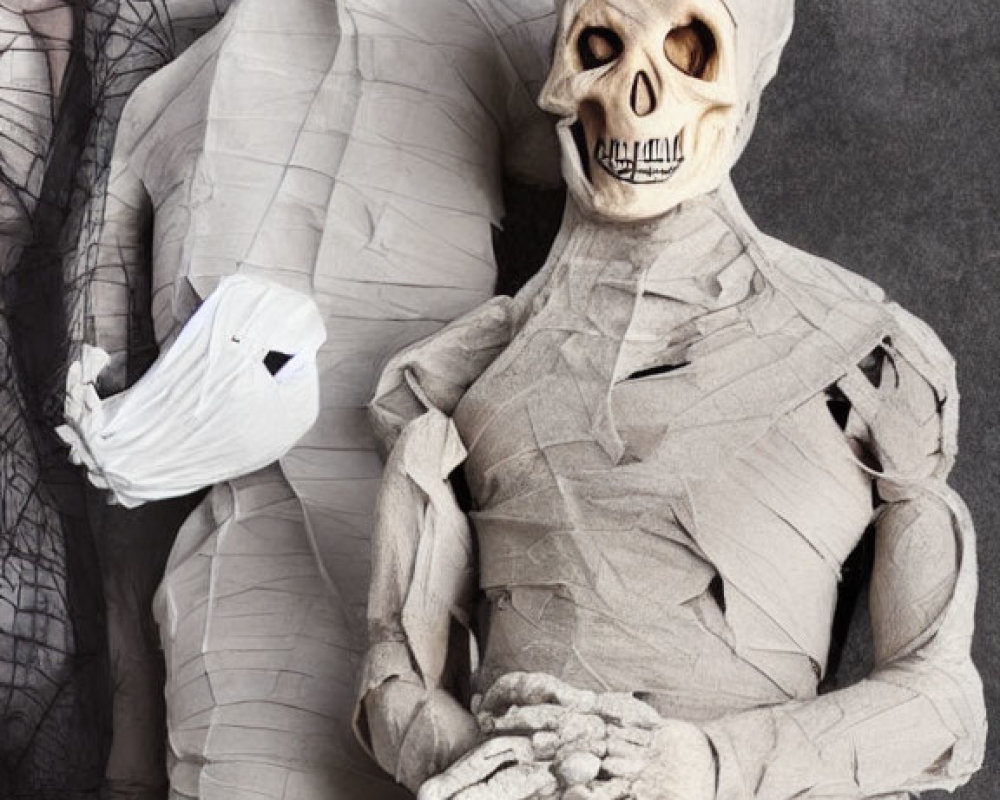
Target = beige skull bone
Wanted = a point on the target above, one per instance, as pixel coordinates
(647, 94)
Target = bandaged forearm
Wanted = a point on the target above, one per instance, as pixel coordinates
(918, 723)
(423, 564)
(414, 732)
(234, 392)
(896, 731)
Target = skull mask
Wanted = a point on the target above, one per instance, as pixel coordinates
(647, 93)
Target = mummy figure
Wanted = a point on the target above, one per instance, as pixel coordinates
(671, 440)
(310, 187)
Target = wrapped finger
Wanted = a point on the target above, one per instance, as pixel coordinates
(620, 749)
(637, 736)
(583, 727)
(517, 782)
(545, 744)
(626, 710)
(570, 726)
(615, 789)
(476, 766)
(595, 747)
(628, 742)
(578, 769)
(527, 719)
(533, 688)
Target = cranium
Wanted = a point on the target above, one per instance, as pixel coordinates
(647, 93)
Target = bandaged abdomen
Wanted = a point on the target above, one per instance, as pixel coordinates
(677, 531)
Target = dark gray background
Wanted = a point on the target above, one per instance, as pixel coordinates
(878, 147)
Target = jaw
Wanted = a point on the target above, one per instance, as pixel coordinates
(639, 162)
(620, 177)
(621, 180)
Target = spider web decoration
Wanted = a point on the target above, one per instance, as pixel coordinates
(66, 71)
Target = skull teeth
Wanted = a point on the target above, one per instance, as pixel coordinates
(651, 161)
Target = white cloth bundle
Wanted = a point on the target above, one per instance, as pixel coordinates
(233, 393)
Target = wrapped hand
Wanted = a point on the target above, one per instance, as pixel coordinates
(550, 741)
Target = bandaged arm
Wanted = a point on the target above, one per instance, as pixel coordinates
(918, 721)
(423, 572)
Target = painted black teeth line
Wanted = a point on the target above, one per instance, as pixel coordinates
(651, 161)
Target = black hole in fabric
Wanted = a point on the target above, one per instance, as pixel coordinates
(274, 361)
(718, 591)
(856, 575)
(840, 410)
(870, 460)
(872, 365)
(463, 494)
(838, 405)
(659, 370)
(598, 46)
(942, 762)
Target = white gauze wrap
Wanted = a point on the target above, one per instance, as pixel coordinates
(209, 409)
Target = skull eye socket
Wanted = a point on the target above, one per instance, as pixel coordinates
(598, 46)
(692, 49)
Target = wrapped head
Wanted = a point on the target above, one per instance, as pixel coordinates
(657, 97)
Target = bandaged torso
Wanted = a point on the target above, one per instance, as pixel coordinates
(663, 499)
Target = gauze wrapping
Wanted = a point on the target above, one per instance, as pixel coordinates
(762, 29)
(663, 500)
(210, 408)
(653, 418)
(353, 150)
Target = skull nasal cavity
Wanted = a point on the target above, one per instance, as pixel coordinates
(643, 99)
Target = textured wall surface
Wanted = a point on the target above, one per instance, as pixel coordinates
(877, 147)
